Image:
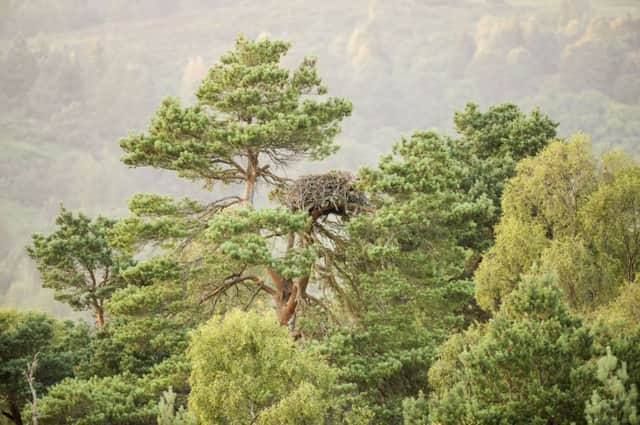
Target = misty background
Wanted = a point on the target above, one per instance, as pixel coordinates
(77, 75)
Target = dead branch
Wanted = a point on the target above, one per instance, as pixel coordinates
(29, 375)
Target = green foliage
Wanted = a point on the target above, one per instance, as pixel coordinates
(572, 215)
(586, 278)
(158, 219)
(119, 398)
(623, 311)
(612, 220)
(248, 237)
(469, 172)
(613, 403)
(551, 188)
(429, 173)
(504, 131)
(247, 105)
(405, 269)
(399, 275)
(97, 401)
(414, 410)
(524, 367)
(59, 347)
(622, 338)
(167, 415)
(77, 261)
(134, 346)
(518, 246)
(150, 323)
(256, 374)
(494, 142)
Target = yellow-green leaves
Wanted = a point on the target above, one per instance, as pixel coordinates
(612, 218)
(518, 246)
(571, 215)
(551, 188)
(246, 369)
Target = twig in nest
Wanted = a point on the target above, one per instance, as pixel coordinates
(324, 194)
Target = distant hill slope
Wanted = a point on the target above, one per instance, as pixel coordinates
(76, 77)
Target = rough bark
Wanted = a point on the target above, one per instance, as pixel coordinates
(251, 176)
(29, 374)
(99, 317)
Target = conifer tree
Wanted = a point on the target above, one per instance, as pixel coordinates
(616, 402)
(251, 115)
(78, 262)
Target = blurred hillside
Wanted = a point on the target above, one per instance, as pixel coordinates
(76, 75)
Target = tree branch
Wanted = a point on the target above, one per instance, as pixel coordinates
(29, 375)
(234, 280)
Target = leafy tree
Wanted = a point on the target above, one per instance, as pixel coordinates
(400, 273)
(623, 339)
(612, 219)
(525, 367)
(287, 385)
(613, 403)
(58, 345)
(250, 113)
(586, 278)
(149, 322)
(556, 214)
(77, 261)
(124, 398)
(551, 188)
(518, 245)
(622, 311)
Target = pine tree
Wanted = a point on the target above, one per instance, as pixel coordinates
(615, 402)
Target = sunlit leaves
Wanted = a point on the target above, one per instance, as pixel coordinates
(252, 348)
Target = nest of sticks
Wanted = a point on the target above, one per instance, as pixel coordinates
(324, 194)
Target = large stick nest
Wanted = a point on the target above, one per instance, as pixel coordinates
(324, 194)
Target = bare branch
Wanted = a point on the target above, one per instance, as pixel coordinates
(29, 375)
(234, 280)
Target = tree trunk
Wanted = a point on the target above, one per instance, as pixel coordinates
(99, 317)
(250, 178)
(286, 295)
(249, 192)
(286, 304)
